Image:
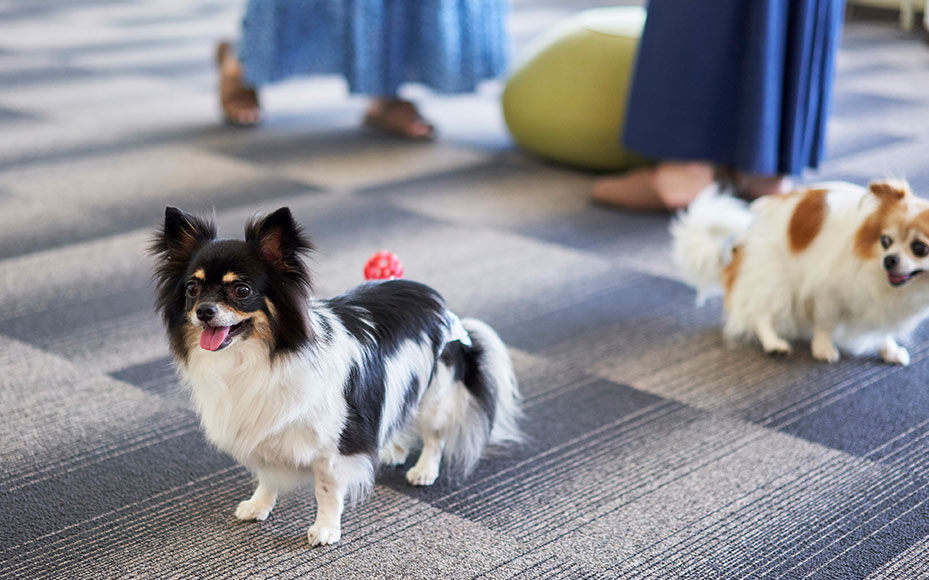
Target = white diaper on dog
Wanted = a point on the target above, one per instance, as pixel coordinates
(457, 331)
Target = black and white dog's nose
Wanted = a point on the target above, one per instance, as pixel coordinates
(206, 312)
(891, 261)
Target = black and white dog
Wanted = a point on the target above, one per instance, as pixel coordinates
(298, 389)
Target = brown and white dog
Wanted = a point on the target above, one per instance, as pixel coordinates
(835, 263)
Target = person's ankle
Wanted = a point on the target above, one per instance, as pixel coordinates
(759, 185)
(678, 183)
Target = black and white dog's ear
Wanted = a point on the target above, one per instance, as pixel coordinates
(279, 240)
(182, 235)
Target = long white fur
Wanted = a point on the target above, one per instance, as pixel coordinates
(283, 419)
(825, 293)
(704, 236)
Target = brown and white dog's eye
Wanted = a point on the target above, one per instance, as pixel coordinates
(241, 291)
(886, 242)
(192, 289)
(920, 249)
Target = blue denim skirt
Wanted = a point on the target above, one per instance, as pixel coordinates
(376, 45)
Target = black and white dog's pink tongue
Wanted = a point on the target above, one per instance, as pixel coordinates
(213, 336)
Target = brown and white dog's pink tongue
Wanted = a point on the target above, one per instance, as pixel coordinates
(213, 336)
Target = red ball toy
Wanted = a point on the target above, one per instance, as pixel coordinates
(383, 265)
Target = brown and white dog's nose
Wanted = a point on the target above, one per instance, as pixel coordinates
(890, 262)
(206, 312)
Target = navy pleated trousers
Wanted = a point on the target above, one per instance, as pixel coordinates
(742, 83)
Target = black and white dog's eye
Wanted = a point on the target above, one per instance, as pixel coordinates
(193, 289)
(886, 242)
(920, 249)
(241, 291)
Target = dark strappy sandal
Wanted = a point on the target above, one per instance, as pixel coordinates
(400, 118)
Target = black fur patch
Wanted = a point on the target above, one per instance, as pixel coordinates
(326, 327)
(411, 397)
(281, 244)
(364, 393)
(381, 316)
(465, 364)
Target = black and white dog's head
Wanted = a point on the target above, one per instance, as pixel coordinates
(215, 294)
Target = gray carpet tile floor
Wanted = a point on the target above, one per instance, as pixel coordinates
(654, 449)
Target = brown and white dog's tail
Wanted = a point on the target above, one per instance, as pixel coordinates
(703, 238)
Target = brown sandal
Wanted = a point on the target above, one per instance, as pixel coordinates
(400, 118)
(239, 101)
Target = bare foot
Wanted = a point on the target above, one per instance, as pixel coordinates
(669, 185)
(238, 100)
(398, 117)
(633, 190)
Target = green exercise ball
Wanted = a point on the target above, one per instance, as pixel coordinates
(566, 100)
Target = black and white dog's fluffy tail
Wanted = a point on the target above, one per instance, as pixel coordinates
(485, 409)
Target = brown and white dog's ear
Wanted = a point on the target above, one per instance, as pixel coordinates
(890, 190)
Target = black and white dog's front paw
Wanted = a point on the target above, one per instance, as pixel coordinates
(253, 509)
(322, 535)
(393, 455)
(419, 475)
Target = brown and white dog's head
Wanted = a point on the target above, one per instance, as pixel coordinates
(897, 232)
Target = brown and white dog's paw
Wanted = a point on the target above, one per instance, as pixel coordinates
(895, 354)
(778, 347)
(825, 351)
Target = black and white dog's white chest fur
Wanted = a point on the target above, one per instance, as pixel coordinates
(299, 389)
